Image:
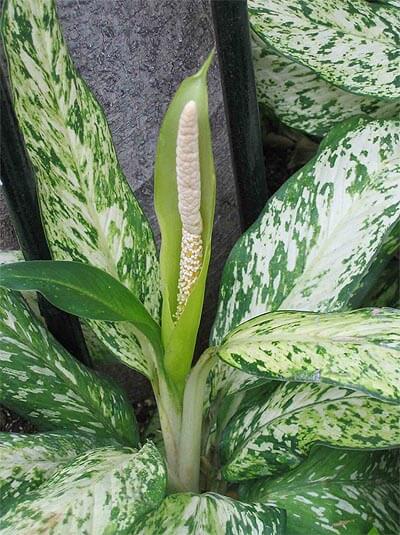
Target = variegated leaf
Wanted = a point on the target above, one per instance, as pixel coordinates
(358, 349)
(276, 434)
(26, 461)
(317, 236)
(11, 255)
(383, 273)
(41, 381)
(393, 3)
(211, 514)
(88, 210)
(103, 491)
(336, 493)
(303, 100)
(353, 45)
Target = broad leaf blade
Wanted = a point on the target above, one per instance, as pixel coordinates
(180, 337)
(277, 434)
(318, 235)
(303, 100)
(82, 290)
(98, 352)
(353, 45)
(336, 492)
(191, 514)
(358, 349)
(88, 210)
(26, 461)
(41, 381)
(103, 491)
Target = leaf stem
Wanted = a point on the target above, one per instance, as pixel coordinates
(192, 419)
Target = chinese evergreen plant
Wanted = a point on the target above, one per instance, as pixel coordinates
(288, 422)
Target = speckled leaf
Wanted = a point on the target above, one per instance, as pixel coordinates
(393, 3)
(336, 493)
(353, 44)
(26, 461)
(359, 349)
(104, 491)
(88, 210)
(211, 514)
(378, 287)
(41, 381)
(318, 235)
(276, 434)
(303, 100)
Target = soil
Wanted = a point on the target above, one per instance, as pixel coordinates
(12, 423)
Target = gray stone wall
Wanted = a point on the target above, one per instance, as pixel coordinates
(133, 55)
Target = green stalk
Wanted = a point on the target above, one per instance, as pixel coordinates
(192, 419)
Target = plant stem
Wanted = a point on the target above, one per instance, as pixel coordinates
(192, 419)
(170, 413)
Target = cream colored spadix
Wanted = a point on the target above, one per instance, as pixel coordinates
(189, 198)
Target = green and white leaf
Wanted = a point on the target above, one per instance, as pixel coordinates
(353, 45)
(41, 381)
(359, 349)
(380, 285)
(303, 100)
(276, 434)
(336, 493)
(393, 3)
(386, 291)
(26, 461)
(11, 255)
(89, 212)
(318, 235)
(211, 514)
(103, 491)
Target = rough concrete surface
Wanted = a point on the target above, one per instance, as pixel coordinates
(133, 55)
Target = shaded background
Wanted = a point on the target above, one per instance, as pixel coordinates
(133, 54)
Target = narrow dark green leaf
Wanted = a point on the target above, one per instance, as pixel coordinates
(82, 290)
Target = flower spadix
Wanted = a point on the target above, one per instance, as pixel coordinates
(189, 200)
